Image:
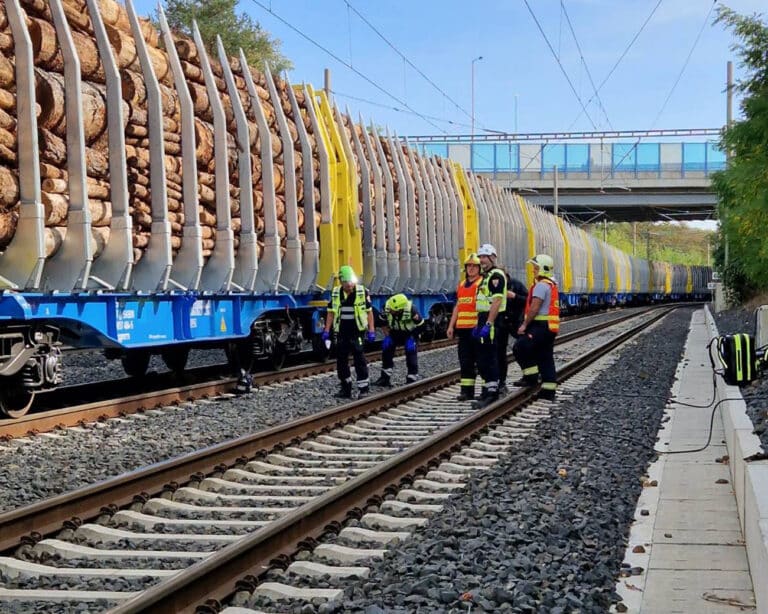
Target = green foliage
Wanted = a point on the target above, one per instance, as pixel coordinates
(673, 243)
(742, 188)
(236, 31)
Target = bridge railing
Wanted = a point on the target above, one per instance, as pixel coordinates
(642, 160)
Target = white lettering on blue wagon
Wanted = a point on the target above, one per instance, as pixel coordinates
(200, 308)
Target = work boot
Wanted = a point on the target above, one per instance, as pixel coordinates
(465, 396)
(345, 392)
(503, 389)
(363, 392)
(383, 381)
(485, 400)
(412, 377)
(546, 395)
(527, 381)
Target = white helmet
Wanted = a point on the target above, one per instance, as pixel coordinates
(486, 249)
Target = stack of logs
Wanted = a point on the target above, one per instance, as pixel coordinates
(9, 183)
(51, 96)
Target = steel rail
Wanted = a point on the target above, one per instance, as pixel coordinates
(214, 578)
(47, 516)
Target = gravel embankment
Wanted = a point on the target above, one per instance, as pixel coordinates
(105, 450)
(755, 394)
(521, 538)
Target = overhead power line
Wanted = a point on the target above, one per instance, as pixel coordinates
(346, 64)
(560, 64)
(584, 62)
(405, 59)
(621, 57)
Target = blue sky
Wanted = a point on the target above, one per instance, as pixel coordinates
(442, 38)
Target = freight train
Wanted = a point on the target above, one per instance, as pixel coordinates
(155, 197)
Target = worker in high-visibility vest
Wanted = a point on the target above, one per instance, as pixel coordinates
(401, 326)
(350, 314)
(535, 345)
(463, 323)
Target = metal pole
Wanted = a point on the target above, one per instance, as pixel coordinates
(634, 238)
(728, 122)
(473, 95)
(554, 177)
(327, 82)
(515, 113)
(605, 230)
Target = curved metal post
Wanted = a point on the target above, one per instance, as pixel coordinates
(22, 262)
(70, 267)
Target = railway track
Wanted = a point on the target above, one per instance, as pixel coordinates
(74, 405)
(233, 516)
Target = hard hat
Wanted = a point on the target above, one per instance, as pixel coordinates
(545, 263)
(347, 275)
(486, 249)
(397, 303)
(472, 259)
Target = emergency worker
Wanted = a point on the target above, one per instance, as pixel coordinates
(350, 314)
(507, 324)
(491, 303)
(463, 323)
(534, 348)
(402, 323)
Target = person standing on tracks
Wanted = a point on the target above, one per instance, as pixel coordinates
(507, 324)
(350, 314)
(463, 323)
(401, 326)
(534, 348)
(491, 303)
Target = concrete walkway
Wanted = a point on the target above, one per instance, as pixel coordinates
(686, 548)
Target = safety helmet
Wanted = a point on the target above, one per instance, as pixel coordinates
(472, 259)
(397, 303)
(486, 249)
(347, 275)
(545, 263)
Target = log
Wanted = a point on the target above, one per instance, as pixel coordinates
(124, 46)
(8, 222)
(7, 139)
(99, 240)
(55, 186)
(51, 96)
(56, 208)
(141, 240)
(134, 92)
(6, 44)
(53, 239)
(7, 101)
(149, 32)
(9, 188)
(7, 73)
(207, 218)
(7, 121)
(204, 142)
(110, 11)
(45, 45)
(51, 172)
(101, 212)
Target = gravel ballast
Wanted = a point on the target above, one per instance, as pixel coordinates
(31, 468)
(545, 529)
(755, 395)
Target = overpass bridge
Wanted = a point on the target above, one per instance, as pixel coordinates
(622, 176)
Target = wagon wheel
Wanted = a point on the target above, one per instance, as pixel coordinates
(175, 359)
(135, 362)
(15, 399)
(277, 357)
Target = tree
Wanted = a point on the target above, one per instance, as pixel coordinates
(218, 17)
(742, 188)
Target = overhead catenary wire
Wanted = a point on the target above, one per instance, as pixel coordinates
(406, 60)
(616, 64)
(346, 64)
(584, 63)
(560, 64)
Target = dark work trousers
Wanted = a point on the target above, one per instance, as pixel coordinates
(388, 356)
(535, 352)
(502, 341)
(488, 359)
(344, 346)
(467, 360)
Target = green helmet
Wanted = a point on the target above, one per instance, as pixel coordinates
(545, 263)
(347, 275)
(397, 303)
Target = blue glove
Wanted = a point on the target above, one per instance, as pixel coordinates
(410, 345)
(371, 336)
(326, 335)
(387, 343)
(482, 333)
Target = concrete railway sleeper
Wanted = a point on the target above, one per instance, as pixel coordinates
(262, 498)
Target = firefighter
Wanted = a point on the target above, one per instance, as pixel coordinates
(507, 324)
(401, 327)
(463, 323)
(350, 314)
(491, 303)
(534, 348)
